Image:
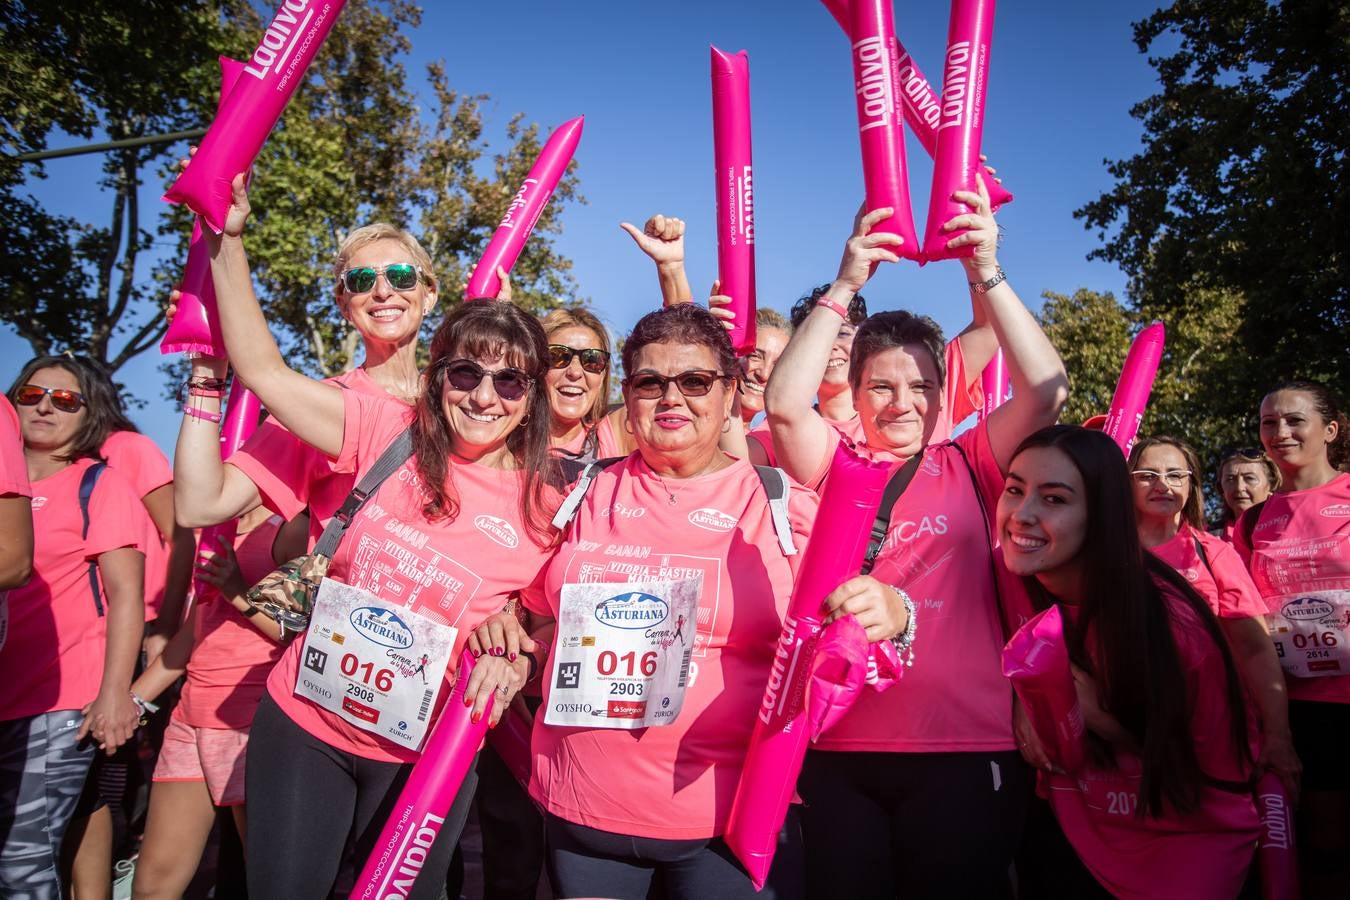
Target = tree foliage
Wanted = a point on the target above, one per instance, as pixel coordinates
(1242, 187)
(354, 146)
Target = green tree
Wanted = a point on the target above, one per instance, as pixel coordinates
(1242, 186)
(351, 148)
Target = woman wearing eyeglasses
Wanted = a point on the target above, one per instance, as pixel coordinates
(1246, 477)
(1297, 548)
(74, 629)
(667, 593)
(441, 544)
(1169, 511)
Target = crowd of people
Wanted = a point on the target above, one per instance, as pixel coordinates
(488, 491)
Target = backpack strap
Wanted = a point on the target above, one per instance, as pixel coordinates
(587, 472)
(87, 482)
(776, 487)
(1200, 551)
(394, 456)
(882, 523)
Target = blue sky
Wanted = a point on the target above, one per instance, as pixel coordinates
(1063, 76)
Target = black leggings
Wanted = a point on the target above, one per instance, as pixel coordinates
(311, 807)
(912, 825)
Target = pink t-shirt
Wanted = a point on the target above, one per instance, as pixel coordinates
(458, 572)
(606, 442)
(145, 467)
(1223, 582)
(53, 658)
(13, 467)
(1302, 543)
(291, 475)
(231, 659)
(1204, 854)
(954, 699)
(960, 399)
(676, 781)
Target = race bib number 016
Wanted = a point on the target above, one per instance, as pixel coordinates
(376, 664)
(622, 653)
(1311, 632)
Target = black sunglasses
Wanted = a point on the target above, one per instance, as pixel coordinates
(466, 375)
(401, 277)
(693, 383)
(593, 359)
(1253, 454)
(64, 400)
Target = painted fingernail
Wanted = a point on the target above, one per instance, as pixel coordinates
(476, 653)
(468, 701)
(512, 657)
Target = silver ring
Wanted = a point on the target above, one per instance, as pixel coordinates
(501, 689)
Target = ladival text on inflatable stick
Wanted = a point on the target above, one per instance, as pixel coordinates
(426, 798)
(994, 384)
(965, 80)
(524, 210)
(843, 524)
(1036, 661)
(735, 192)
(195, 327)
(1136, 383)
(241, 420)
(918, 100)
(247, 116)
(1276, 856)
(880, 129)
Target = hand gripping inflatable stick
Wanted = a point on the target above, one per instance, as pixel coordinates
(843, 524)
(735, 192)
(994, 384)
(965, 80)
(1036, 661)
(1275, 853)
(420, 810)
(241, 420)
(269, 79)
(918, 100)
(196, 326)
(524, 210)
(880, 130)
(1136, 383)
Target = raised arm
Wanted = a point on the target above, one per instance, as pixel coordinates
(1040, 384)
(312, 410)
(662, 239)
(800, 435)
(206, 490)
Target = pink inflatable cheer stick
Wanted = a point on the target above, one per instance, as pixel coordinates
(875, 73)
(1275, 853)
(1136, 383)
(1036, 660)
(965, 79)
(919, 101)
(844, 663)
(843, 523)
(421, 807)
(248, 114)
(735, 192)
(994, 384)
(241, 420)
(196, 327)
(524, 210)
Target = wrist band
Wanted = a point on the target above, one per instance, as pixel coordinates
(832, 305)
(196, 413)
(904, 641)
(536, 667)
(984, 287)
(203, 383)
(205, 392)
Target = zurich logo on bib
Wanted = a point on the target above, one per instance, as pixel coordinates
(634, 610)
(382, 627)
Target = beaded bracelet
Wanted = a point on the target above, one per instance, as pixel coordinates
(196, 413)
(904, 641)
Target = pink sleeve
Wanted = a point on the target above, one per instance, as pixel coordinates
(764, 438)
(1238, 597)
(1239, 533)
(281, 466)
(139, 460)
(963, 395)
(112, 507)
(370, 424)
(833, 437)
(988, 476)
(13, 468)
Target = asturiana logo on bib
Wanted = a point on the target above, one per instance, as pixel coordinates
(499, 530)
(1305, 609)
(382, 627)
(632, 611)
(1337, 511)
(712, 519)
